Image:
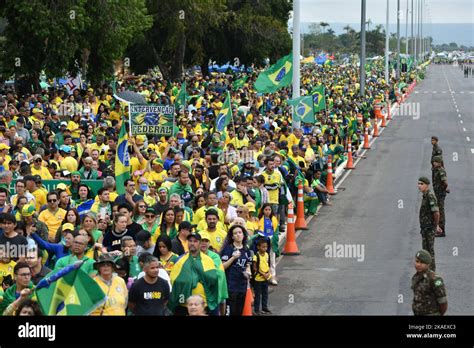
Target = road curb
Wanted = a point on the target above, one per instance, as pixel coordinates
(338, 177)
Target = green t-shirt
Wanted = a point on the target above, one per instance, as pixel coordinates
(87, 266)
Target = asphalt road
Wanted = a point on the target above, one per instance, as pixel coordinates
(377, 207)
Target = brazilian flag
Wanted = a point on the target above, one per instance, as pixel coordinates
(122, 160)
(180, 101)
(303, 109)
(277, 76)
(69, 291)
(239, 83)
(224, 117)
(194, 274)
(319, 99)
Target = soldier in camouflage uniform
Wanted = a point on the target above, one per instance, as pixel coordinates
(429, 218)
(440, 188)
(436, 149)
(429, 293)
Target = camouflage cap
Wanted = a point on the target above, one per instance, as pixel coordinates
(424, 180)
(438, 159)
(424, 257)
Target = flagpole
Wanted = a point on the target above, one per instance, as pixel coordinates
(129, 119)
(296, 54)
(387, 79)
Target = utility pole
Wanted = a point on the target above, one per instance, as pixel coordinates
(406, 31)
(387, 42)
(362, 50)
(411, 36)
(296, 53)
(398, 39)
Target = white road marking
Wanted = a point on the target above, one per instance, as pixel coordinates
(462, 92)
(471, 92)
(459, 115)
(416, 92)
(463, 129)
(443, 92)
(468, 139)
(472, 150)
(461, 121)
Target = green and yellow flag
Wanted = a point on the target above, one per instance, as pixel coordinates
(239, 83)
(224, 117)
(319, 99)
(180, 101)
(277, 76)
(303, 109)
(122, 161)
(194, 276)
(69, 291)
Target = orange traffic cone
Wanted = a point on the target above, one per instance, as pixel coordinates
(329, 184)
(366, 139)
(376, 129)
(349, 164)
(384, 124)
(291, 248)
(300, 220)
(247, 311)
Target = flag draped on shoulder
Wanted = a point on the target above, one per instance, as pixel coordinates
(224, 117)
(69, 291)
(122, 160)
(319, 99)
(190, 274)
(303, 109)
(277, 76)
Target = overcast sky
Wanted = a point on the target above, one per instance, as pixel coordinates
(348, 11)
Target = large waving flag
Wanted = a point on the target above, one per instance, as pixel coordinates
(319, 99)
(303, 109)
(224, 117)
(279, 75)
(189, 273)
(180, 101)
(70, 291)
(122, 161)
(84, 207)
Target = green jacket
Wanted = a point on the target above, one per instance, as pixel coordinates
(94, 174)
(87, 266)
(10, 296)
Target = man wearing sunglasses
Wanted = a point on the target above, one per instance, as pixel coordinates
(38, 169)
(53, 215)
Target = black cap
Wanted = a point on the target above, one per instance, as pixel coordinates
(185, 225)
(37, 178)
(194, 235)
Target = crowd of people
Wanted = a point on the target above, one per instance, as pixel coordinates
(203, 210)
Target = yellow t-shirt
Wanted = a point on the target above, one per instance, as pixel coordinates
(263, 266)
(43, 172)
(272, 184)
(117, 297)
(114, 116)
(69, 163)
(71, 126)
(217, 238)
(154, 176)
(52, 221)
(200, 215)
(40, 199)
(6, 269)
(135, 164)
(112, 196)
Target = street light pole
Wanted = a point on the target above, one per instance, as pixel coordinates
(387, 42)
(398, 39)
(296, 53)
(362, 50)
